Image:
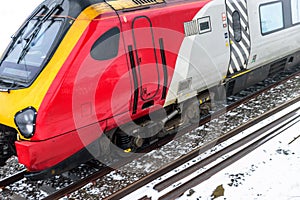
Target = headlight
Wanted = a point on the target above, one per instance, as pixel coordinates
(25, 121)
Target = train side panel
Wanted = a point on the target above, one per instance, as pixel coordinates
(204, 54)
(155, 41)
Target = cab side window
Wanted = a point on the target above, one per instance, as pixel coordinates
(107, 45)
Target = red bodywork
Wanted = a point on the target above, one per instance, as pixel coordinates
(89, 97)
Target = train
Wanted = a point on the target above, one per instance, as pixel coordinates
(85, 79)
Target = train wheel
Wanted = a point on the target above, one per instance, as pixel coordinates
(191, 111)
(205, 109)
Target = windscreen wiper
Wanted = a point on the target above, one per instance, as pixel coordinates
(36, 31)
(9, 85)
(15, 37)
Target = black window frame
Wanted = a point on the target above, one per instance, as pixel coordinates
(203, 20)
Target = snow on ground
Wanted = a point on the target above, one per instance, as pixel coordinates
(12, 14)
(270, 172)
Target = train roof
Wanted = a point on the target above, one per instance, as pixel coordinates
(127, 4)
(73, 8)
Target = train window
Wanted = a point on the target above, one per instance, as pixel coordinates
(237, 28)
(295, 5)
(271, 17)
(107, 46)
(204, 25)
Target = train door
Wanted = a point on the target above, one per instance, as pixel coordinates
(143, 60)
(146, 58)
(240, 44)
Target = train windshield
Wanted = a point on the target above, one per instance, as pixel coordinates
(29, 51)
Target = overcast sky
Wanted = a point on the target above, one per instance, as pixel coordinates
(12, 14)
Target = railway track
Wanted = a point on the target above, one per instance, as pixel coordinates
(282, 123)
(233, 102)
(13, 178)
(252, 141)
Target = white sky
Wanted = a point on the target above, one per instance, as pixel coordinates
(12, 15)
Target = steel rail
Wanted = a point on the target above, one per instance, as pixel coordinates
(166, 183)
(12, 179)
(178, 162)
(178, 191)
